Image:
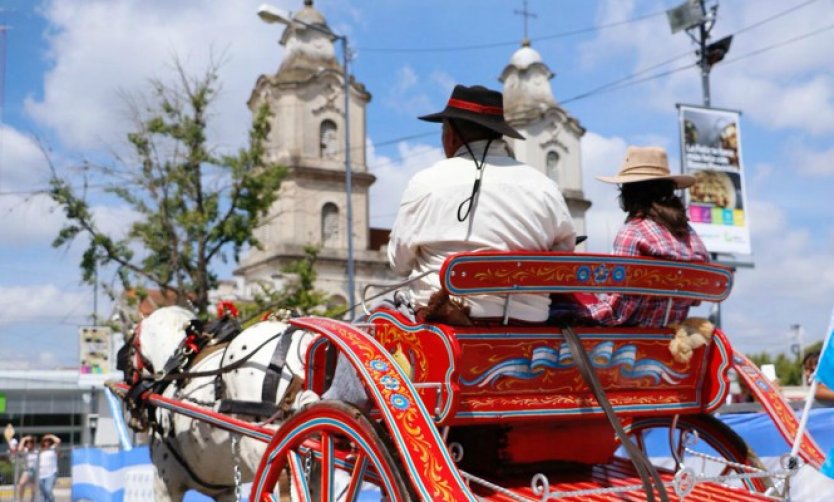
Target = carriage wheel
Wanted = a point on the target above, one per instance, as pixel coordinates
(722, 441)
(333, 452)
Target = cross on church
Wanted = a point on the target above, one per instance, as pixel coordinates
(526, 14)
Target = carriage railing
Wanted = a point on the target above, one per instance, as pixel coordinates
(507, 273)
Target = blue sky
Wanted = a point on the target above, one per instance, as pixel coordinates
(69, 63)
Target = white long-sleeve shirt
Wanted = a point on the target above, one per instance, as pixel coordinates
(518, 208)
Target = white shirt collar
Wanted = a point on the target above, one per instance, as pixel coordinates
(496, 147)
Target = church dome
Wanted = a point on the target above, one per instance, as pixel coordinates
(524, 57)
(309, 45)
(310, 15)
(526, 82)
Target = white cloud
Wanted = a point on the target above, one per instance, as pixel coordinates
(38, 303)
(815, 163)
(787, 87)
(445, 81)
(407, 94)
(392, 175)
(806, 104)
(22, 163)
(29, 220)
(601, 156)
(100, 50)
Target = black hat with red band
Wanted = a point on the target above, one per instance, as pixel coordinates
(476, 104)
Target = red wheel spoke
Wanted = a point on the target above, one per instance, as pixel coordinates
(326, 494)
(318, 442)
(298, 479)
(356, 477)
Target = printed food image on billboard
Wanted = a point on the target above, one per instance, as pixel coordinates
(711, 152)
(94, 342)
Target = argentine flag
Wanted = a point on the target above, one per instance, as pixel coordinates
(118, 476)
(825, 374)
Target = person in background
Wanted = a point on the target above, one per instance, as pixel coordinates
(823, 395)
(656, 226)
(25, 450)
(48, 466)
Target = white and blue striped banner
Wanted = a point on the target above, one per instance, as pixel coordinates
(116, 476)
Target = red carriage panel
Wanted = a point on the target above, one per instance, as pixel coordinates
(526, 373)
(428, 353)
(518, 272)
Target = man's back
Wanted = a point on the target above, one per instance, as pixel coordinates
(518, 208)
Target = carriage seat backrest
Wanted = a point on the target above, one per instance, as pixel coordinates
(507, 273)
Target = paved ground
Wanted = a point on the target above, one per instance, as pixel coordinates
(62, 492)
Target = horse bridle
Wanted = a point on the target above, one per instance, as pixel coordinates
(135, 362)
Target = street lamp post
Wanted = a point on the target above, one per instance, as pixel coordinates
(271, 14)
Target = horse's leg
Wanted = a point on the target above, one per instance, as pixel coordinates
(169, 481)
(164, 490)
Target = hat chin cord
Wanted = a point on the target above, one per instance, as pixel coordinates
(470, 202)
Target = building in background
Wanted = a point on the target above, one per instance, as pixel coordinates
(552, 142)
(306, 99)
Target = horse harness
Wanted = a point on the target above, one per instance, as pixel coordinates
(197, 344)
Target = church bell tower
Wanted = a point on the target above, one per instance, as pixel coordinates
(553, 137)
(306, 100)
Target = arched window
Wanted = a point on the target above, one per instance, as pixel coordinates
(336, 301)
(330, 225)
(328, 139)
(552, 166)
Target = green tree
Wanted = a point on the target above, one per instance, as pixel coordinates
(192, 204)
(299, 292)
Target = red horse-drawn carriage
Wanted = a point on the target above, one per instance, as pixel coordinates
(532, 412)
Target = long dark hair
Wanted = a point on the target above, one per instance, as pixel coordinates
(655, 200)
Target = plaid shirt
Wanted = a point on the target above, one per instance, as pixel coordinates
(644, 237)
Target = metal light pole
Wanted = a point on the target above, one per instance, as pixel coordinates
(271, 14)
(686, 16)
(702, 42)
(351, 272)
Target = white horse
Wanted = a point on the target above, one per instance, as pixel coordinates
(192, 454)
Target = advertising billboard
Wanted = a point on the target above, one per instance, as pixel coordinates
(716, 204)
(95, 343)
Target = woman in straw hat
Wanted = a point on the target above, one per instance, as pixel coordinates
(656, 225)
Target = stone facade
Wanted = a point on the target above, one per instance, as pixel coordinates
(553, 137)
(306, 98)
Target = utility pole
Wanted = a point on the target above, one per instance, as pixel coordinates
(703, 33)
(694, 17)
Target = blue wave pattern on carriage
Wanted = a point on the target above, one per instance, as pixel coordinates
(603, 356)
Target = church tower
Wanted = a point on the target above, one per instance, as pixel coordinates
(552, 142)
(306, 100)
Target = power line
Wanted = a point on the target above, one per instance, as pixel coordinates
(493, 45)
(609, 88)
(626, 81)
(775, 16)
(779, 44)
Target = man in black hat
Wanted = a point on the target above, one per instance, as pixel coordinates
(478, 198)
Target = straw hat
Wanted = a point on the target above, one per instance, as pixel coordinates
(645, 163)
